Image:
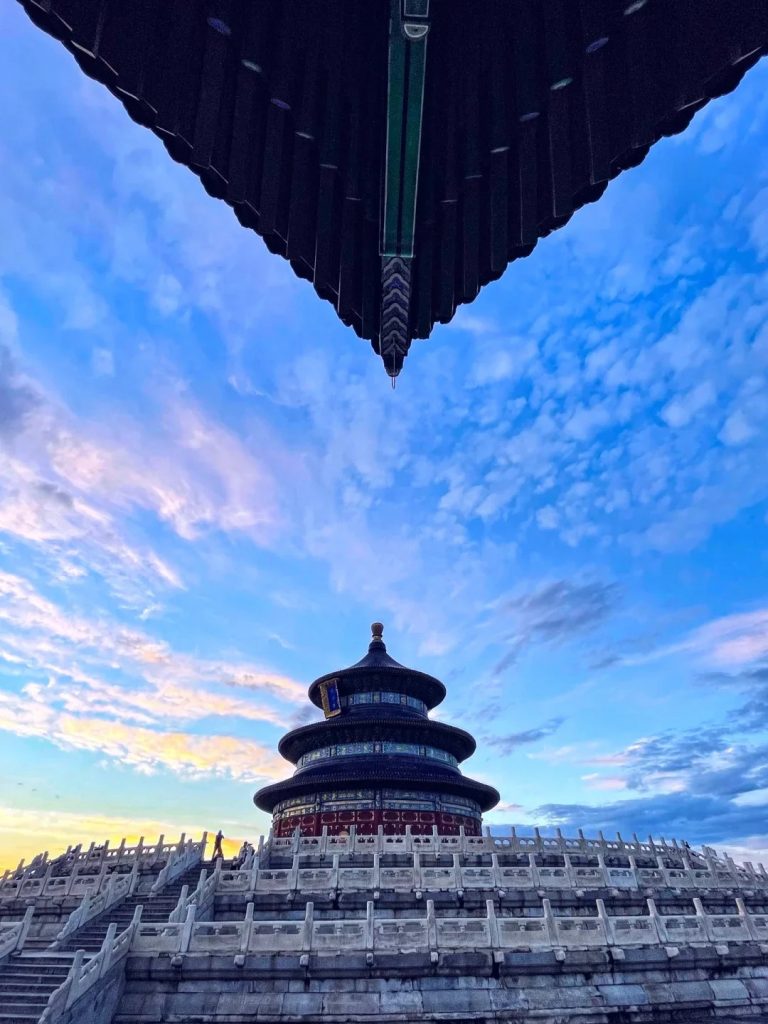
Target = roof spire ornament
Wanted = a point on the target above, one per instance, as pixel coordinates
(377, 631)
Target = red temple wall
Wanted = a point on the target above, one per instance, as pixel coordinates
(367, 823)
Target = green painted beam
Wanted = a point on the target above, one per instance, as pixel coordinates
(408, 30)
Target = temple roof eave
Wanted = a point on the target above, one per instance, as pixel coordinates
(456, 784)
(395, 677)
(454, 740)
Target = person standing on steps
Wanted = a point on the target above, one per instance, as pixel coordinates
(217, 850)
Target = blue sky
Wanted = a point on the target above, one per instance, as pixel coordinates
(208, 490)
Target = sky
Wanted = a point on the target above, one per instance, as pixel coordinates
(208, 490)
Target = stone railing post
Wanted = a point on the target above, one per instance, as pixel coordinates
(431, 927)
(568, 867)
(550, 923)
(245, 939)
(107, 950)
(73, 875)
(534, 869)
(75, 972)
(746, 918)
(416, 871)
(103, 873)
(602, 867)
(456, 871)
(186, 932)
(46, 878)
(369, 933)
(493, 924)
(658, 921)
(605, 923)
(24, 930)
(324, 841)
(177, 913)
(376, 875)
(712, 864)
(85, 907)
(703, 918)
(306, 928)
(496, 870)
(293, 882)
(633, 865)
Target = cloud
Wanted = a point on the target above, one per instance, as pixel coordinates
(43, 506)
(17, 399)
(707, 783)
(96, 685)
(682, 409)
(504, 807)
(728, 642)
(506, 744)
(189, 755)
(38, 628)
(554, 613)
(697, 818)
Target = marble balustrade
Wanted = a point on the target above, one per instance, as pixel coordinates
(337, 871)
(430, 932)
(80, 873)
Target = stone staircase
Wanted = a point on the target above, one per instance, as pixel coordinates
(156, 908)
(26, 982)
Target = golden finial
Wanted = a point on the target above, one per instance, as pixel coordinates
(376, 630)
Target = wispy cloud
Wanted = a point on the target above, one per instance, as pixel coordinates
(553, 613)
(511, 741)
(145, 750)
(96, 685)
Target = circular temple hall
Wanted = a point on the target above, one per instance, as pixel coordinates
(377, 759)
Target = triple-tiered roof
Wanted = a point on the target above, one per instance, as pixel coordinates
(377, 749)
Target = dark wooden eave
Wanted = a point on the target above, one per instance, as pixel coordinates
(375, 773)
(349, 729)
(530, 107)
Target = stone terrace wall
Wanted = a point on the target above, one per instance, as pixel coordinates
(650, 984)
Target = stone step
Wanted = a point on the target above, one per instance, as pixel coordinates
(30, 1007)
(18, 990)
(24, 966)
(18, 1018)
(55, 959)
(29, 980)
